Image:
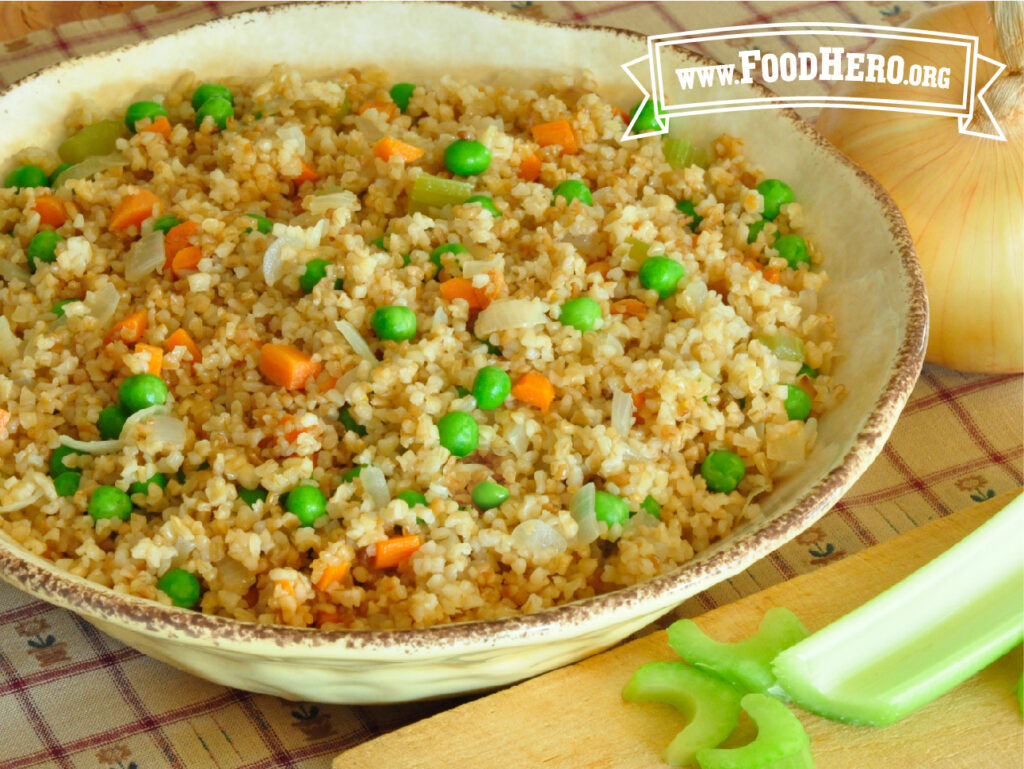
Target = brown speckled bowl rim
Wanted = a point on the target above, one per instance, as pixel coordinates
(91, 600)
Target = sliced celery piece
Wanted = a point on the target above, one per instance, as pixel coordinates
(921, 637)
(96, 139)
(746, 663)
(680, 153)
(784, 345)
(712, 705)
(781, 742)
(638, 249)
(435, 191)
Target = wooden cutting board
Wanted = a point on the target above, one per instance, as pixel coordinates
(575, 718)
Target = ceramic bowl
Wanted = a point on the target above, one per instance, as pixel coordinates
(875, 293)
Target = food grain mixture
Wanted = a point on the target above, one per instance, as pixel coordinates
(346, 353)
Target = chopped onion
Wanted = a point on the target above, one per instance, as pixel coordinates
(273, 263)
(11, 272)
(355, 339)
(622, 412)
(582, 509)
(169, 430)
(506, 314)
(146, 255)
(8, 342)
(368, 129)
(102, 303)
(92, 447)
(480, 266)
(14, 506)
(517, 439)
(319, 204)
(785, 443)
(91, 165)
(537, 539)
(375, 486)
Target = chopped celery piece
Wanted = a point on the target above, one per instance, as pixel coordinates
(96, 139)
(784, 345)
(680, 153)
(435, 191)
(638, 249)
(746, 663)
(781, 742)
(712, 705)
(921, 637)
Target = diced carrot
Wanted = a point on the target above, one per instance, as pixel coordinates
(133, 209)
(752, 264)
(186, 259)
(333, 617)
(129, 329)
(602, 267)
(286, 366)
(639, 398)
(333, 574)
(5, 419)
(559, 132)
(388, 108)
(180, 338)
(622, 114)
(326, 382)
(51, 210)
(160, 126)
(391, 552)
(308, 174)
(177, 238)
(293, 435)
(286, 586)
(156, 357)
(387, 148)
(463, 288)
(629, 306)
(770, 274)
(535, 389)
(529, 168)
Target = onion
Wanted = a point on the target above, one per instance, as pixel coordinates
(962, 196)
(356, 341)
(108, 447)
(481, 266)
(517, 439)
(785, 443)
(14, 506)
(146, 255)
(622, 412)
(102, 303)
(90, 166)
(582, 509)
(375, 486)
(319, 204)
(92, 447)
(536, 539)
(506, 314)
(11, 272)
(8, 342)
(273, 264)
(169, 430)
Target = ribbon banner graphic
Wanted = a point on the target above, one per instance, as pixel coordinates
(919, 79)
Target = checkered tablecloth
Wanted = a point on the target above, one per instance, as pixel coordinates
(72, 697)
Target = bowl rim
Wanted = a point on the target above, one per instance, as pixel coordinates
(44, 580)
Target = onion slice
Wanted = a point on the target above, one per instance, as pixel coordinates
(90, 166)
(505, 314)
(96, 448)
(375, 486)
(8, 342)
(146, 255)
(622, 412)
(102, 303)
(356, 341)
(582, 510)
(15, 506)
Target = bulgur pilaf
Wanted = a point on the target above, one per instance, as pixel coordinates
(352, 354)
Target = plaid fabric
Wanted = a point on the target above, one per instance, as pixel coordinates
(71, 697)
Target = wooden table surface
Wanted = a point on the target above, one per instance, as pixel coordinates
(20, 18)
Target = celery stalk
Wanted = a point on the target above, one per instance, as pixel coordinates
(435, 191)
(781, 742)
(680, 153)
(921, 637)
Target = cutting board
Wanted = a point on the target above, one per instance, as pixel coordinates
(575, 718)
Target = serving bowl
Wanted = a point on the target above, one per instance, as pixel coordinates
(875, 293)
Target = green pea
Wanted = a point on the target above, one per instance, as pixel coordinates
(57, 172)
(465, 157)
(406, 260)
(572, 189)
(461, 391)
(647, 120)
(26, 176)
(807, 371)
(66, 484)
(111, 422)
(610, 508)
(798, 403)
(379, 243)
(352, 473)
(776, 194)
(447, 248)
(110, 502)
(142, 487)
(57, 458)
(217, 108)
(316, 270)
(307, 503)
(209, 90)
(401, 93)
(141, 110)
(339, 284)
(582, 313)
(43, 248)
(459, 433)
(651, 507)
(58, 309)
(263, 224)
(412, 497)
(395, 322)
(722, 471)
(755, 229)
(793, 249)
(252, 496)
(661, 274)
(349, 422)
(488, 494)
(165, 223)
(492, 349)
(486, 203)
(181, 586)
(491, 387)
(141, 391)
(686, 206)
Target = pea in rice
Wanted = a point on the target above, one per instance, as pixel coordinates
(272, 319)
